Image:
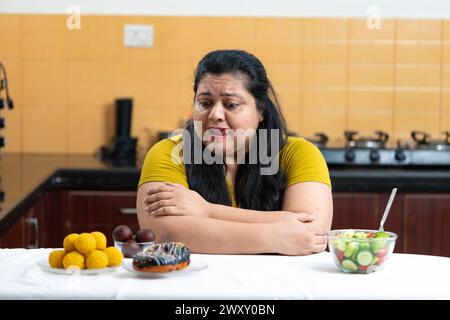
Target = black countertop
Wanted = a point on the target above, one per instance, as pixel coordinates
(25, 177)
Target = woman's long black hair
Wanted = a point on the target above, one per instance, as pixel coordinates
(252, 189)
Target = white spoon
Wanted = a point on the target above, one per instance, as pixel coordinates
(388, 207)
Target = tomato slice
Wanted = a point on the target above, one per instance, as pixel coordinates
(381, 260)
(340, 255)
(363, 268)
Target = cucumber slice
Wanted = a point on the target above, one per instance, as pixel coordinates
(354, 255)
(339, 244)
(352, 247)
(375, 260)
(364, 258)
(364, 246)
(377, 245)
(349, 265)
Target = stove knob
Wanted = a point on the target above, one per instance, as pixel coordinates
(374, 155)
(400, 155)
(350, 155)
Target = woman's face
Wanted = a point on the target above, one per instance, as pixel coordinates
(225, 113)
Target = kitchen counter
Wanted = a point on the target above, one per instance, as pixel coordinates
(226, 277)
(25, 177)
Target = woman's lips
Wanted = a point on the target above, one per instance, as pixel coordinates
(217, 133)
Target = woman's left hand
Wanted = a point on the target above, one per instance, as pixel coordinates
(172, 199)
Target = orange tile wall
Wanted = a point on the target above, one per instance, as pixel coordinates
(330, 74)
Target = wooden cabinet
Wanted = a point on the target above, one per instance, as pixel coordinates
(355, 211)
(41, 226)
(427, 224)
(25, 232)
(19, 235)
(58, 213)
(100, 211)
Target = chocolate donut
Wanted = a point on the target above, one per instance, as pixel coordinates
(163, 257)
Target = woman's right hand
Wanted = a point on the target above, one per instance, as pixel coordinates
(296, 235)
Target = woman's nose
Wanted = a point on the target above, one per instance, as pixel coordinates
(217, 112)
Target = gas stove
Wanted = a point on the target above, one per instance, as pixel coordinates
(374, 151)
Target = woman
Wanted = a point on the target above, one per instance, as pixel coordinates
(229, 203)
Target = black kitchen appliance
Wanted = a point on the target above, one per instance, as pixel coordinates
(423, 141)
(320, 139)
(374, 151)
(122, 149)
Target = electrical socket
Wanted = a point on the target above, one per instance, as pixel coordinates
(138, 36)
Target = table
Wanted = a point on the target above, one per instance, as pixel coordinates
(233, 277)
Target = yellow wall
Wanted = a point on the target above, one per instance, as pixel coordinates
(331, 75)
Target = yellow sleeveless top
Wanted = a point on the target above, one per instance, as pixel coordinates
(300, 160)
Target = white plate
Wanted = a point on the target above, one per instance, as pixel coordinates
(192, 268)
(44, 265)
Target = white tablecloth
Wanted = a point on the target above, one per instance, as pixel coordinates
(233, 277)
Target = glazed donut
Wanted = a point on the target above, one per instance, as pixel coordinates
(163, 257)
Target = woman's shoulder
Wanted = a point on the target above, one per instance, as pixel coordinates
(166, 149)
(302, 161)
(164, 162)
(298, 144)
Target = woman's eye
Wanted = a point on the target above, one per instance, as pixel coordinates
(204, 104)
(231, 106)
